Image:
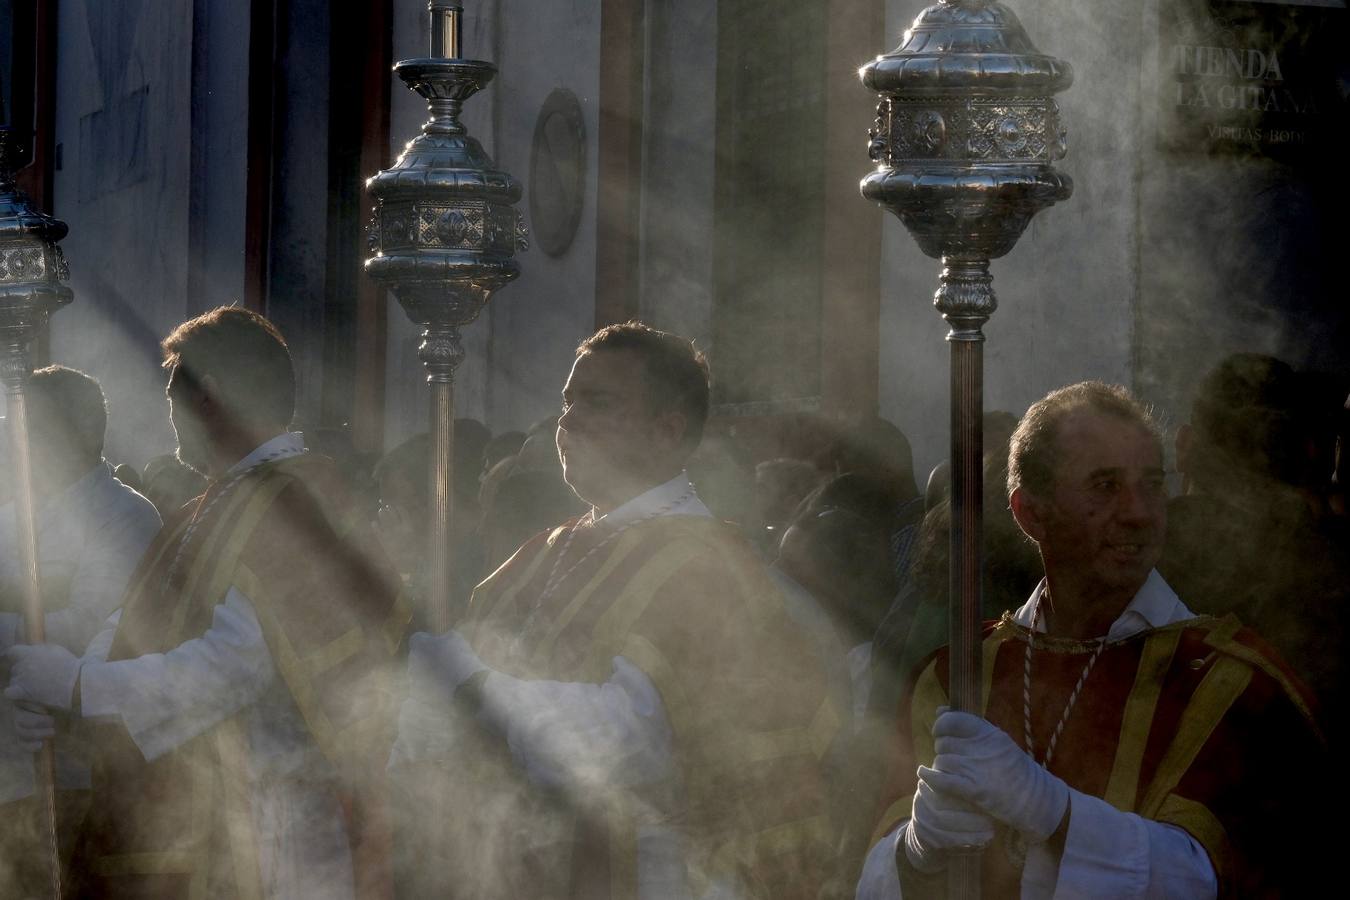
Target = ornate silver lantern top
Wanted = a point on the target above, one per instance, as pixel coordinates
(963, 45)
(966, 129)
(444, 229)
(33, 270)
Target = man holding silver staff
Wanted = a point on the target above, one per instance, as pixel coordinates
(239, 700)
(1129, 747)
(92, 530)
(629, 711)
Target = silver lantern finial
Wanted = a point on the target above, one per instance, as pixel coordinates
(443, 236)
(966, 135)
(33, 272)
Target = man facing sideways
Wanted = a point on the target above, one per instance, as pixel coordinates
(241, 695)
(1129, 747)
(92, 530)
(632, 711)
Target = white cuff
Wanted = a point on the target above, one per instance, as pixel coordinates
(880, 879)
(1106, 852)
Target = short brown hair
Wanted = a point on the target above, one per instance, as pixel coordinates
(67, 411)
(677, 374)
(245, 355)
(1032, 457)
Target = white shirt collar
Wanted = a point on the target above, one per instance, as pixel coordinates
(288, 443)
(1153, 606)
(674, 498)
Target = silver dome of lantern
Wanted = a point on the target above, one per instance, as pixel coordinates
(33, 271)
(967, 129)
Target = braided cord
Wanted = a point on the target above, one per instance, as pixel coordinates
(1073, 696)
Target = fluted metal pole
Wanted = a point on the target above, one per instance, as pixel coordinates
(966, 299)
(441, 353)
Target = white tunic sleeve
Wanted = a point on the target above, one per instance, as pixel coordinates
(577, 734)
(1108, 854)
(101, 645)
(880, 880)
(1111, 854)
(573, 735)
(561, 734)
(166, 699)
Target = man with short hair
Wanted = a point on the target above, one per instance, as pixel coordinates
(92, 530)
(632, 713)
(1128, 747)
(240, 699)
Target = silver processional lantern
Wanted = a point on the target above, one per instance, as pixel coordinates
(966, 135)
(443, 235)
(33, 277)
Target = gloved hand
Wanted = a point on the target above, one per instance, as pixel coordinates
(941, 824)
(439, 664)
(980, 764)
(43, 674)
(32, 726)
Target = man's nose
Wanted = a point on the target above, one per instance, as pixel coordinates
(1138, 504)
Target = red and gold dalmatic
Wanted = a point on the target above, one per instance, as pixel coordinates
(685, 600)
(287, 536)
(1194, 724)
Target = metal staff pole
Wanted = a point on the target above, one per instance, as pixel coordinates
(443, 234)
(32, 275)
(964, 141)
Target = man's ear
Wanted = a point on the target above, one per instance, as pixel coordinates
(208, 392)
(1029, 513)
(670, 428)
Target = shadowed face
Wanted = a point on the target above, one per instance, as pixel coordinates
(194, 449)
(1105, 519)
(612, 444)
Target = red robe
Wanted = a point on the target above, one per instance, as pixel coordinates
(1195, 724)
(686, 600)
(289, 538)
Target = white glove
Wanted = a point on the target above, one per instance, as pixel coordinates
(33, 727)
(438, 665)
(941, 824)
(43, 674)
(979, 763)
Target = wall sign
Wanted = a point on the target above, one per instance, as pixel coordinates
(1251, 79)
